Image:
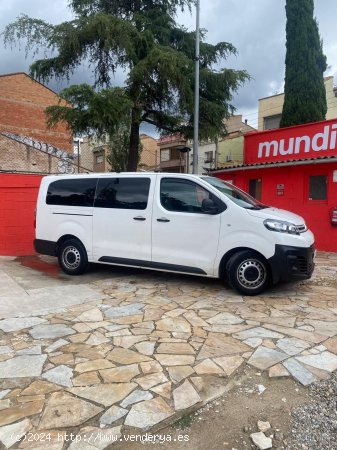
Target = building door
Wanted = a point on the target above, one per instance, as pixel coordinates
(255, 188)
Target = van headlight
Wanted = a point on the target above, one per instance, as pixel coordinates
(281, 226)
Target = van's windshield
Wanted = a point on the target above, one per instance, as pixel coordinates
(239, 197)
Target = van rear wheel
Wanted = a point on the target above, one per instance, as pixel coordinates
(248, 273)
(72, 257)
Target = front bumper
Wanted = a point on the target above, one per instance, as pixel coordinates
(292, 263)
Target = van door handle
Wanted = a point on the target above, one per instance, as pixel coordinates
(163, 219)
(139, 218)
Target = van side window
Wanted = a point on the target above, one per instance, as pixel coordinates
(122, 193)
(183, 195)
(72, 192)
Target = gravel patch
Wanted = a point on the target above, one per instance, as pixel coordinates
(314, 424)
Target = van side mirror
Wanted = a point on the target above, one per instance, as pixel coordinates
(209, 207)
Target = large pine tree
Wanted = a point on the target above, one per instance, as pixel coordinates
(143, 38)
(305, 97)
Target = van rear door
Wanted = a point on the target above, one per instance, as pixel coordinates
(122, 219)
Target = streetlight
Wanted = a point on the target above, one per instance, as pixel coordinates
(196, 91)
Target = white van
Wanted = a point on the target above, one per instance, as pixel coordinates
(190, 224)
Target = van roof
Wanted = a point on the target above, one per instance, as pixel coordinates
(108, 174)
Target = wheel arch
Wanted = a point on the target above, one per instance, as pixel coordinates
(227, 256)
(66, 237)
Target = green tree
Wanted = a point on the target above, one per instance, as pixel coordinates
(305, 98)
(143, 38)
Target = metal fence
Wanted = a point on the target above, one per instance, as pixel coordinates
(23, 154)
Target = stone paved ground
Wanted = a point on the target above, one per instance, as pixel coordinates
(118, 351)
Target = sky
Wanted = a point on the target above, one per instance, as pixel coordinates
(255, 27)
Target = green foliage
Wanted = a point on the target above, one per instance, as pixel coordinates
(119, 143)
(305, 97)
(143, 38)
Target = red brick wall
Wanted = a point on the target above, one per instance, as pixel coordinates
(18, 196)
(22, 105)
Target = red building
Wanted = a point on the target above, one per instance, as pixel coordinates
(294, 168)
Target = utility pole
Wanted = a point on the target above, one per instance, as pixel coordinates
(196, 91)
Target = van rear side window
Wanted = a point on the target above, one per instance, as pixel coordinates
(80, 192)
(122, 193)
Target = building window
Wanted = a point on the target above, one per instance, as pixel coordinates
(99, 159)
(255, 188)
(209, 157)
(272, 122)
(318, 187)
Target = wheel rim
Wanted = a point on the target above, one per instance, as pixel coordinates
(71, 257)
(251, 274)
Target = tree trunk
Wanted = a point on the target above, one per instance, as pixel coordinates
(134, 143)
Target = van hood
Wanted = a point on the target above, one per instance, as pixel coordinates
(278, 214)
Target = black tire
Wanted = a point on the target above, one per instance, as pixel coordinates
(72, 257)
(248, 273)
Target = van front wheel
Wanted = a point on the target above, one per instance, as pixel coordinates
(72, 257)
(248, 273)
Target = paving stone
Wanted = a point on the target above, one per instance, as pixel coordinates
(207, 366)
(65, 410)
(253, 342)
(11, 434)
(148, 381)
(263, 358)
(150, 367)
(35, 350)
(121, 311)
(40, 387)
(120, 374)
(194, 319)
(112, 415)
(292, 346)
(127, 341)
(261, 440)
(125, 356)
(323, 327)
(97, 338)
(59, 375)
(93, 438)
(86, 379)
(56, 345)
(258, 332)
(91, 315)
(218, 344)
(15, 413)
(22, 366)
(331, 344)
(148, 413)
(146, 348)
(325, 361)
(278, 371)
(4, 349)
(178, 373)
(135, 397)
(300, 373)
(30, 398)
(185, 396)
(175, 360)
(178, 324)
(97, 364)
(229, 363)
(4, 404)
(20, 323)
(104, 394)
(4, 393)
(163, 389)
(225, 319)
(176, 348)
(50, 331)
(313, 338)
